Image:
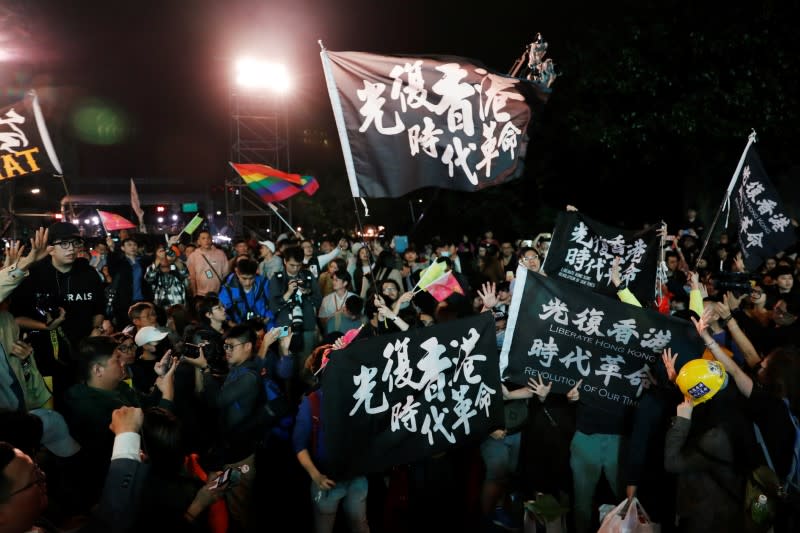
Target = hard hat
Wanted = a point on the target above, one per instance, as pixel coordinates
(701, 379)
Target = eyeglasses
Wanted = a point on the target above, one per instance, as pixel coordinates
(230, 347)
(390, 289)
(125, 347)
(75, 243)
(529, 258)
(39, 479)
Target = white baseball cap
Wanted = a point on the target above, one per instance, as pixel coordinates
(268, 244)
(150, 334)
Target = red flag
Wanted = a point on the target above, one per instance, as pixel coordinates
(444, 286)
(113, 222)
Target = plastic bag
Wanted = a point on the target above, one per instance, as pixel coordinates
(628, 519)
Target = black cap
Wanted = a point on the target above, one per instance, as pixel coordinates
(62, 231)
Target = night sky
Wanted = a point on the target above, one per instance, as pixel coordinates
(652, 95)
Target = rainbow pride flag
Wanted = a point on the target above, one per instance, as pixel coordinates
(273, 185)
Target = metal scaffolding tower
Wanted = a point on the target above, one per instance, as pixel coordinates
(259, 134)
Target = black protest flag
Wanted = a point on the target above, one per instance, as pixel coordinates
(393, 399)
(435, 121)
(582, 251)
(764, 226)
(565, 333)
(25, 146)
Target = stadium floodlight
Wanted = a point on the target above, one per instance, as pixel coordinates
(256, 74)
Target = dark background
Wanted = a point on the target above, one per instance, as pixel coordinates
(649, 115)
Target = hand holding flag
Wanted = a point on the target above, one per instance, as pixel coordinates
(438, 282)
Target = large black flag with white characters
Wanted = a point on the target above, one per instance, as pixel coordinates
(763, 224)
(582, 251)
(393, 399)
(564, 334)
(25, 146)
(437, 121)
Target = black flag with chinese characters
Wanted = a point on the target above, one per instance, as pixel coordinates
(393, 399)
(412, 122)
(25, 146)
(582, 251)
(764, 226)
(564, 334)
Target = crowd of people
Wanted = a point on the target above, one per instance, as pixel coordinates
(176, 386)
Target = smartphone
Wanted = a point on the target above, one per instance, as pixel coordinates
(284, 331)
(192, 351)
(509, 275)
(223, 478)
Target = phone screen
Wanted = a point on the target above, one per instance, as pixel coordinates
(284, 331)
(223, 478)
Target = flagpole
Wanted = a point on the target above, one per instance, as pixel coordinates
(751, 139)
(102, 223)
(338, 115)
(69, 200)
(275, 210)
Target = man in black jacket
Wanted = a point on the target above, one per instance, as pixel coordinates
(58, 304)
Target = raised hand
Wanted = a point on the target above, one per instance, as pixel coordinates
(126, 420)
(669, 363)
(684, 409)
(162, 366)
(538, 387)
(488, 293)
(614, 274)
(574, 393)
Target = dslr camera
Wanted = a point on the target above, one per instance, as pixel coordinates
(739, 283)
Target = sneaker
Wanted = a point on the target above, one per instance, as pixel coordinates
(503, 519)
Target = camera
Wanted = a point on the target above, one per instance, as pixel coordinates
(739, 283)
(297, 318)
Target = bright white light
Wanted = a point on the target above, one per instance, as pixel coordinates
(35, 191)
(219, 213)
(420, 200)
(160, 219)
(87, 221)
(268, 230)
(76, 221)
(299, 228)
(256, 74)
(220, 237)
(174, 217)
(95, 221)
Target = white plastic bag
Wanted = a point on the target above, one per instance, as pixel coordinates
(628, 519)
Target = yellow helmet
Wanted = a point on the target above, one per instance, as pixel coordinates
(701, 379)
